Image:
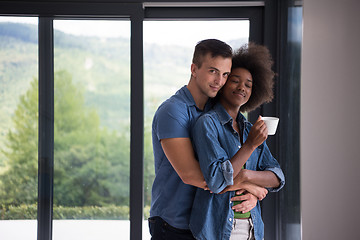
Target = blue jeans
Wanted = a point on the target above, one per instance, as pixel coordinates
(161, 230)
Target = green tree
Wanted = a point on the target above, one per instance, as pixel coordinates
(19, 181)
(91, 164)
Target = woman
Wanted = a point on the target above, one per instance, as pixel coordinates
(228, 145)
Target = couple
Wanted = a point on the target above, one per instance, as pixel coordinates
(212, 166)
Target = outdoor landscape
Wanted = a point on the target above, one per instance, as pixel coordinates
(92, 125)
(92, 121)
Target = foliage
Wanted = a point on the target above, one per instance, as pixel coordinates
(19, 182)
(91, 163)
(24, 211)
(91, 154)
(149, 172)
(83, 137)
(92, 212)
(29, 211)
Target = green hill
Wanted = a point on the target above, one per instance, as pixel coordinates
(100, 70)
(100, 67)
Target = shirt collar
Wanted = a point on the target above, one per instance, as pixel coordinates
(188, 98)
(224, 117)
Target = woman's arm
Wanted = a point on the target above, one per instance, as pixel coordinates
(213, 159)
(266, 179)
(257, 135)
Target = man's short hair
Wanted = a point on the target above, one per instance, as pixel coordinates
(214, 47)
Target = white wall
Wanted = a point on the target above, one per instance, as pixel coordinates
(330, 120)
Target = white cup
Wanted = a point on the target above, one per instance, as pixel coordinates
(271, 124)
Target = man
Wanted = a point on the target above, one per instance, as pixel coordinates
(177, 172)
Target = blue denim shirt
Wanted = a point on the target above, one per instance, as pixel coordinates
(215, 142)
(171, 198)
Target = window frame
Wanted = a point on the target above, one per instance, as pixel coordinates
(271, 16)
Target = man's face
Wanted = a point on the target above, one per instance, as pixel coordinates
(212, 74)
(238, 88)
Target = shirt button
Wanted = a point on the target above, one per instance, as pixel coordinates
(239, 146)
(230, 219)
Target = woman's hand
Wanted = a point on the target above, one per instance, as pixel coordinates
(249, 202)
(258, 134)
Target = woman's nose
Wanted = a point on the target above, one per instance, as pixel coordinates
(241, 87)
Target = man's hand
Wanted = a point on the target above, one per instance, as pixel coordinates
(249, 202)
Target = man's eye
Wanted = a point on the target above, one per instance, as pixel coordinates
(213, 71)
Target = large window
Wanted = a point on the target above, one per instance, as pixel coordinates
(79, 84)
(168, 50)
(18, 127)
(91, 129)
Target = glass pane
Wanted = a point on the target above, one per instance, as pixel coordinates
(92, 129)
(290, 212)
(168, 50)
(18, 127)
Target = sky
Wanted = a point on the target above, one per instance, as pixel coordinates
(162, 32)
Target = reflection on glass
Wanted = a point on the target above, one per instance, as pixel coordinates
(92, 130)
(168, 49)
(290, 213)
(18, 127)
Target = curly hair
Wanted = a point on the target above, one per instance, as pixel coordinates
(257, 60)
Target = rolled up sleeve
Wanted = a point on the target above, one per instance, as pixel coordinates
(228, 172)
(214, 162)
(280, 175)
(268, 163)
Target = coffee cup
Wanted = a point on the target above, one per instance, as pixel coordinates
(271, 124)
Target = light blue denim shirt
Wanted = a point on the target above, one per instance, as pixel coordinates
(215, 142)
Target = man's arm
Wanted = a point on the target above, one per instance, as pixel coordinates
(181, 155)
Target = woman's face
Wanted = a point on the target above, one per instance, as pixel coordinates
(237, 90)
